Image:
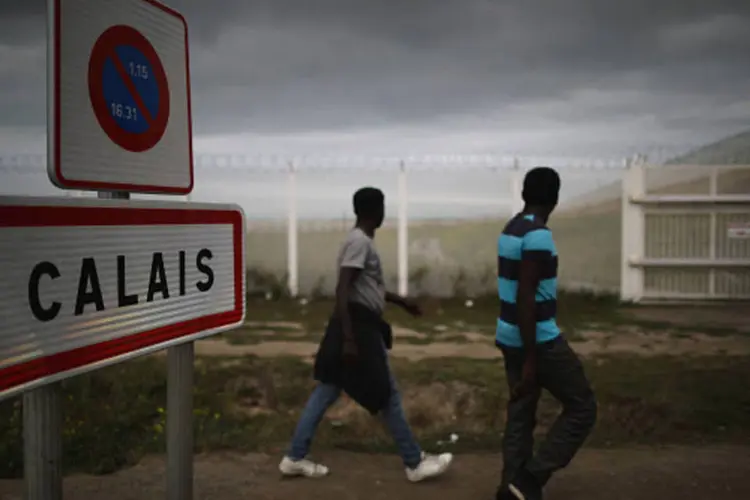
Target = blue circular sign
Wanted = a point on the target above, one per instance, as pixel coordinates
(128, 89)
(123, 108)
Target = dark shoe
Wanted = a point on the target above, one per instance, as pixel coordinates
(525, 487)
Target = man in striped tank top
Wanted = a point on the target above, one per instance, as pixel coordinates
(536, 355)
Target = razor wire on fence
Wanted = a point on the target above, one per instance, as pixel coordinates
(448, 208)
(444, 213)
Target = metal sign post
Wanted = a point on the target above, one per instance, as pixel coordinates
(180, 421)
(42, 443)
(180, 370)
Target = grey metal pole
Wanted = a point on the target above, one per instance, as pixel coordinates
(113, 195)
(180, 361)
(42, 442)
(180, 422)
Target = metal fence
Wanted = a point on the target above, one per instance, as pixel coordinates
(441, 229)
(451, 210)
(443, 216)
(686, 233)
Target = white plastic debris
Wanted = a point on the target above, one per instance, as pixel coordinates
(469, 303)
(454, 438)
(303, 301)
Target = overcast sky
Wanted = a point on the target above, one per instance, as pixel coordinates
(576, 78)
(560, 79)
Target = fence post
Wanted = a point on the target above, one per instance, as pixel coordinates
(633, 230)
(42, 443)
(713, 190)
(292, 256)
(516, 186)
(403, 232)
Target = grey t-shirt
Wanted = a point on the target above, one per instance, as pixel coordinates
(358, 251)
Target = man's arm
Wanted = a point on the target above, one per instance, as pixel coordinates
(404, 303)
(395, 299)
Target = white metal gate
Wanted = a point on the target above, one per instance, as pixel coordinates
(686, 233)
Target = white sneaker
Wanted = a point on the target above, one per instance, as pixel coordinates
(304, 467)
(430, 466)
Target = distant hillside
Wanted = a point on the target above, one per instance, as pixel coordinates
(734, 150)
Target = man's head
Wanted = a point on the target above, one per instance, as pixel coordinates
(369, 206)
(541, 188)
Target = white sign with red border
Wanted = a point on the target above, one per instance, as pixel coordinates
(87, 283)
(738, 230)
(119, 93)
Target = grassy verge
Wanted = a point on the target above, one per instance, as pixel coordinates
(574, 310)
(116, 415)
(445, 319)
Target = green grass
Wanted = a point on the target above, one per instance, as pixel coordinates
(683, 331)
(444, 320)
(253, 334)
(575, 310)
(116, 415)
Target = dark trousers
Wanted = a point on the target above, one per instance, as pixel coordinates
(560, 372)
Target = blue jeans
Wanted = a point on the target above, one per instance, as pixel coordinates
(324, 395)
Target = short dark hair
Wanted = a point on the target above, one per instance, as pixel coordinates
(541, 186)
(368, 202)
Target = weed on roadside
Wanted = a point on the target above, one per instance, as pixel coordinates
(115, 416)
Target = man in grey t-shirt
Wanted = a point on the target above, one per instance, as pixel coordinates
(360, 281)
(358, 252)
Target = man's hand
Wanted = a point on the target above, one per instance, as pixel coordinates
(411, 307)
(404, 303)
(528, 382)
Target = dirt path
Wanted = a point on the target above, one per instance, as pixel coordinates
(637, 474)
(733, 316)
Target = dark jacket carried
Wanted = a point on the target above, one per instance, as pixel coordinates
(367, 380)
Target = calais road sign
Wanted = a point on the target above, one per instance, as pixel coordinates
(120, 117)
(88, 283)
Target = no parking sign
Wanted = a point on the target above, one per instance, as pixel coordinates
(128, 89)
(120, 118)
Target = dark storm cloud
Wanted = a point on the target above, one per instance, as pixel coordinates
(285, 66)
(22, 70)
(22, 22)
(349, 63)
